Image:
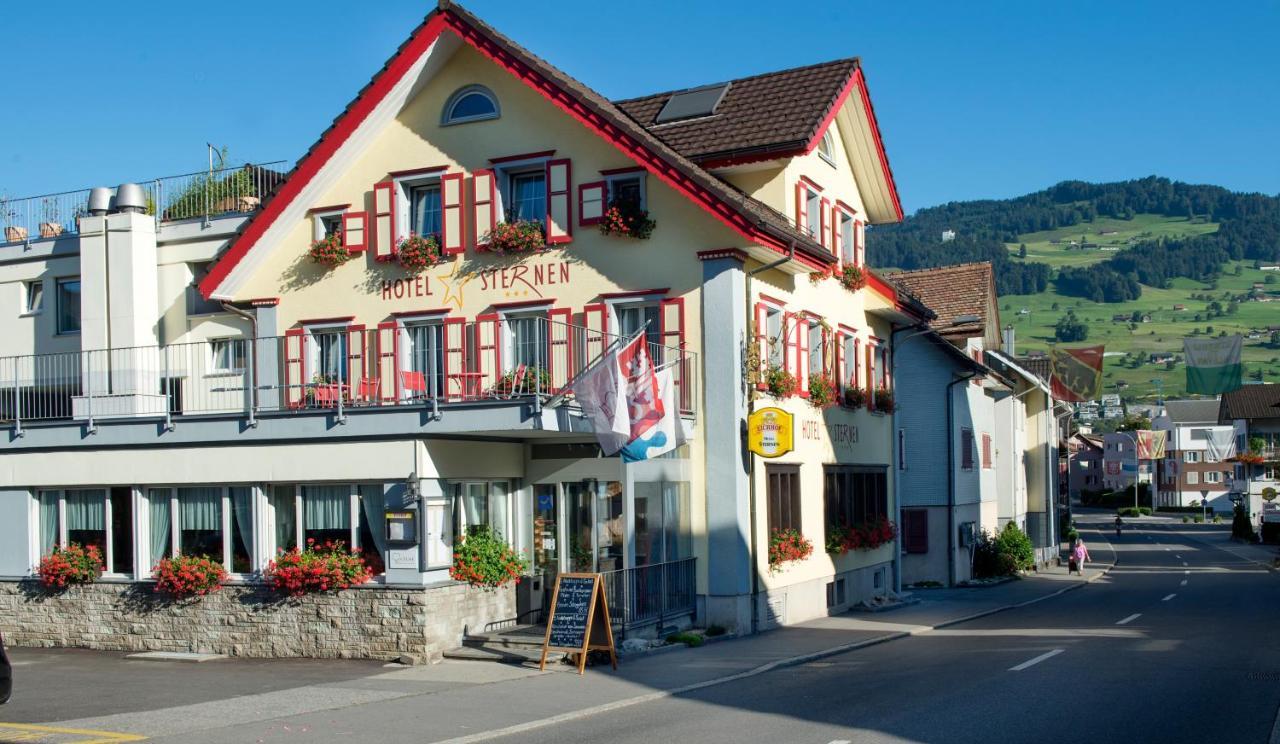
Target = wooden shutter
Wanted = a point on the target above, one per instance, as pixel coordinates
(839, 371)
(591, 202)
(672, 317)
(826, 223)
(384, 220)
(355, 359)
(871, 371)
(389, 360)
(354, 236)
(858, 258)
(453, 224)
(295, 367)
(802, 354)
(966, 449)
(484, 206)
(762, 342)
(559, 209)
(791, 347)
(837, 242)
(802, 208)
(915, 530)
(455, 357)
(489, 349)
(596, 320)
(986, 450)
(559, 347)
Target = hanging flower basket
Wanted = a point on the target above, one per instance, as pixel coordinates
(779, 382)
(417, 253)
(319, 568)
(786, 546)
(883, 401)
(483, 558)
(626, 219)
(823, 391)
(329, 251)
(188, 576)
(841, 540)
(520, 236)
(73, 564)
(854, 397)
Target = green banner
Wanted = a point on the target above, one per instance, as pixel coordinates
(1214, 380)
(1214, 364)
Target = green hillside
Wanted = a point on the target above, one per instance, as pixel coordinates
(1091, 242)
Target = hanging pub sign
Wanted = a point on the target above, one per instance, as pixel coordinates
(771, 432)
(579, 619)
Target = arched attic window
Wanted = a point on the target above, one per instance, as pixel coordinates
(826, 148)
(472, 103)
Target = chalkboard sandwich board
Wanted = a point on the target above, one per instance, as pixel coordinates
(579, 619)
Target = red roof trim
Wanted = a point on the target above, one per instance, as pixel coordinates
(419, 313)
(875, 135)
(330, 208)
(620, 171)
(524, 156)
(841, 97)
(418, 171)
(634, 293)
(716, 253)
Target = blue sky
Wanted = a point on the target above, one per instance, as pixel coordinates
(975, 100)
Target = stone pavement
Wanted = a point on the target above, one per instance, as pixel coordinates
(455, 700)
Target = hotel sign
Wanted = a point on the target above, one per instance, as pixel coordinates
(771, 432)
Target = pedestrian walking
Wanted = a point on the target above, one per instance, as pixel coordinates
(1079, 554)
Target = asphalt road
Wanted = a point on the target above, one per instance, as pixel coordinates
(1176, 644)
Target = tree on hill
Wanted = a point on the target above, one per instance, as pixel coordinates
(1133, 422)
(1070, 328)
(1022, 251)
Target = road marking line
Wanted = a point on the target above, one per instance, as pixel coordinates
(1130, 619)
(1032, 662)
(1178, 557)
(839, 741)
(100, 737)
(1166, 599)
(1187, 573)
(1184, 563)
(1183, 583)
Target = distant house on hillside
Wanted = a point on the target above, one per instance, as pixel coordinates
(1108, 232)
(1179, 307)
(1160, 357)
(948, 235)
(1024, 311)
(1120, 318)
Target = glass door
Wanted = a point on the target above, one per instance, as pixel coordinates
(580, 525)
(546, 528)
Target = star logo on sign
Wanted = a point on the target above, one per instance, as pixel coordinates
(453, 283)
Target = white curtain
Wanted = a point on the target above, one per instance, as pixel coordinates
(48, 521)
(200, 508)
(282, 504)
(326, 507)
(86, 510)
(161, 523)
(242, 513)
(1221, 444)
(371, 499)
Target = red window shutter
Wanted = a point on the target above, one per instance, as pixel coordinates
(591, 202)
(854, 379)
(355, 358)
(389, 360)
(295, 367)
(836, 238)
(596, 320)
(802, 355)
(453, 224)
(672, 335)
(986, 450)
(888, 368)
(489, 349)
(841, 374)
(762, 342)
(871, 372)
(858, 257)
(559, 210)
(384, 220)
(802, 208)
(791, 349)
(455, 357)
(559, 347)
(484, 206)
(828, 368)
(825, 221)
(966, 449)
(354, 235)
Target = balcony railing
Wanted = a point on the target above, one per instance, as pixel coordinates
(656, 593)
(207, 194)
(336, 370)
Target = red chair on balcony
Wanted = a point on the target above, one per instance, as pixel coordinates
(326, 395)
(506, 391)
(369, 390)
(415, 384)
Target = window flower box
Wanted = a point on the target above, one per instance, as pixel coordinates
(329, 251)
(779, 382)
(882, 401)
(482, 558)
(841, 540)
(854, 397)
(417, 253)
(185, 576)
(786, 546)
(72, 564)
(320, 568)
(520, 236)
(625, 218)
(823, 391)
(851, 277)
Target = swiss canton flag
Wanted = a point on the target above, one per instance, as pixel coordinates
(1077, 373)
(640, 386)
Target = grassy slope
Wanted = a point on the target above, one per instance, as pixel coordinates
(1167, 327)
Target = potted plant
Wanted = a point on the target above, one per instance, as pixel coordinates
(517, 236)
(882, 401)
(786, 546)
(852, 278)
(823, 391)
(625, 218)
(854, 397)
(320, 568)
(329, 251)
(188, 576)
(483, 558)
(12, 233)
(72, 564)
(50, 227)
(779, 382)
(416, 253)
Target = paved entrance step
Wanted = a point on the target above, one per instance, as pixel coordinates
(514, 645)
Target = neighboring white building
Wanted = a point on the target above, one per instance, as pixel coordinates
(1197, 466)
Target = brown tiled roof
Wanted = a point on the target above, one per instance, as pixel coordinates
(777, 111)
(1038, 366)
(1250, 402)
(953, 291)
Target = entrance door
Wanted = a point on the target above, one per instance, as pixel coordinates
(546, 531)
(579, 525)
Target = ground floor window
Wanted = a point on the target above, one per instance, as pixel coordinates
(662, 527)
(854, 495)
(347, 513)
(783, 493)
(483, 504)
(211, 521)
(915, 530)
(99, 517)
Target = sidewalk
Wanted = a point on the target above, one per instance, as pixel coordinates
(462, 693)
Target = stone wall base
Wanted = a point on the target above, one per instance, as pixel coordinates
(252, 621)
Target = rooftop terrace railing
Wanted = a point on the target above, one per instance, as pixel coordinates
(206, 194)
(335, 370)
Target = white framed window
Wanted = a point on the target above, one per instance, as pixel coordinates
(32, 297)
(227, 355)
(826, 148)
(471, 103)
(850, 371)
(211, 521)
(422, 341)
(68, 298)
(817, 349)
(630, 316)
(775, 344)
(524, 194)
(484, 504)
(813, 214)
(1213, 476)
(324, 224)
(524, 339)
(1193, 477)
(627, 187)
(327, 349)
(1191, 456)
(848, 238)
(313, 514)
(101, 517)
(419, 209)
